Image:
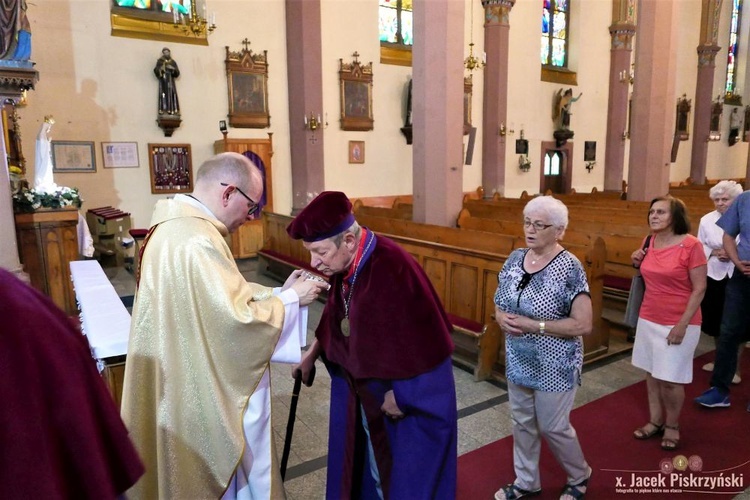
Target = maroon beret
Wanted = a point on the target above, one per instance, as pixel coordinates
(329, 214)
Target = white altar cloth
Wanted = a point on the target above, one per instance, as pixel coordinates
(104, 318)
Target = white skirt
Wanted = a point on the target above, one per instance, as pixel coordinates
(671, 363)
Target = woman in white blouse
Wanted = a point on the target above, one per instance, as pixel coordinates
(720, 268)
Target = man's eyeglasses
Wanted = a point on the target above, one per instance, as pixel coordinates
(254, 206)
(538, 225)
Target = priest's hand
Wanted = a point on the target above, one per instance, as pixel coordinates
(291, 279)
(390, 408)
(307, 290)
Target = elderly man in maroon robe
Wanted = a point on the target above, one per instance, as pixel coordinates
(385, 340)
(60, 431)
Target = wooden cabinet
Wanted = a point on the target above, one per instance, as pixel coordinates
(47, 243)
(248, 239)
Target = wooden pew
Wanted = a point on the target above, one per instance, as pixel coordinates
(464, 276)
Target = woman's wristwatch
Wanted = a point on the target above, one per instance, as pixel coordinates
(541, 327)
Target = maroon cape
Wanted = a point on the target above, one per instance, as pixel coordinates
(399, 328)
(61, 435)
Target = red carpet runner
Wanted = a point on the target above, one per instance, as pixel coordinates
(713, 457)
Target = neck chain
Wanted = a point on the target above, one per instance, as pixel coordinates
(538, 259)
(370, 239)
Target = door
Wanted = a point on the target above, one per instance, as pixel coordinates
(555, 174)
(554, 169)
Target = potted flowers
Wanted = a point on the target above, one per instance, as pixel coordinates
(31, 200)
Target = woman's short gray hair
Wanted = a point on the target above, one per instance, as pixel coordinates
(729, 188)
(554, 208)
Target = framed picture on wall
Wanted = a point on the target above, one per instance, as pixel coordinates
(171, 168)
(247, 80)
(356, 151)
(355, 81)
(120, 154)
(73, 156)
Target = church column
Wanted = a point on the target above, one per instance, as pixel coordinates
(495, 99)
(305, 77)
(652, 123)
(438, 86)
(707, 50)
(622, 30)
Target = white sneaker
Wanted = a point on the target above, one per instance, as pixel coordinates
(709, 367)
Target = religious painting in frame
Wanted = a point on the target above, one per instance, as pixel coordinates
(247, 81)
(120, 155)
(171, 168)
(356, 151)
(355, 82)
(73, 156)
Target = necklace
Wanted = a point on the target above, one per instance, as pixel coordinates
(345, 327)
(538, 259)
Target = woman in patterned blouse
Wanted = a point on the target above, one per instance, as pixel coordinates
(542, 304)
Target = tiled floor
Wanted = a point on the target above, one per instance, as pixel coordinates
(483, 409)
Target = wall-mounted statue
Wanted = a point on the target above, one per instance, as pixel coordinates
(562, 109)
(166, 71)
(561, 112)
(735, 124)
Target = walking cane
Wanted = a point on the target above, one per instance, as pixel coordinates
(292, 413)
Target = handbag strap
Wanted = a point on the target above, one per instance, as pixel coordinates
(647, 243)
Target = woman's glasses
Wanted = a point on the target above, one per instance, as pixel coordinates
(538, 225)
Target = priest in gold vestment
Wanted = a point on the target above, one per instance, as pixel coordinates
(196, 395)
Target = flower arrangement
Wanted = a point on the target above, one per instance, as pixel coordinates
(29, 200)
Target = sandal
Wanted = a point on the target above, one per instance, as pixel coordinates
(512, 492)
(670, 444)
(642, 433)
(575, 491)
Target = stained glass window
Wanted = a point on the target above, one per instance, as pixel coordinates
(555, 32)
(734, 33)
(178, 6)
(395, 23)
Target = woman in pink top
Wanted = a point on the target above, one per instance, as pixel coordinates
(669, 323)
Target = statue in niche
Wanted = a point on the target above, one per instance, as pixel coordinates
(15, 31)
(166, 71)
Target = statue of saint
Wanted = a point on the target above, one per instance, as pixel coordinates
(561, 110)
(166, 71)
(15, 31)
(735, 124)
(43, 176)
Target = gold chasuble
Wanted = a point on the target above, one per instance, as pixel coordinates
(200, 341)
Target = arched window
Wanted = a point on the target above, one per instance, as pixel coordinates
(158, 20)
(555, 17)
(734, 37)
(552, 163)
(395, 28)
